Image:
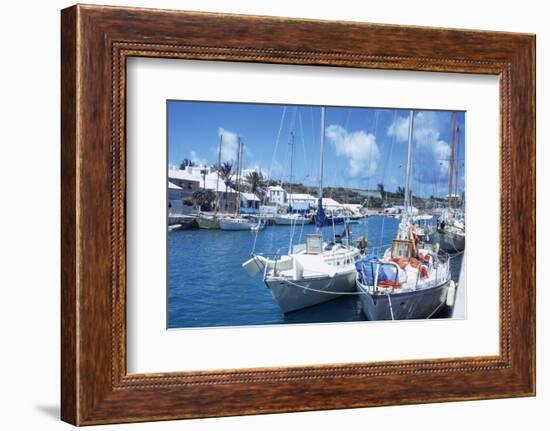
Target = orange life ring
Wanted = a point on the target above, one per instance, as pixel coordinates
(424, 271)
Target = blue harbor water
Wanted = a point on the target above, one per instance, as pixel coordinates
(207, 286)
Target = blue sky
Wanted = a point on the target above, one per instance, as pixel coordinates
(363, 146)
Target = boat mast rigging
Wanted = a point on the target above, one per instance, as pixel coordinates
(320, 213)
(451, 164)
(291, 164)
(407, 203)
(218, 175)
(457, 161)
(238, 176)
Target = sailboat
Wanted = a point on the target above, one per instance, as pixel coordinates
(237, 221)
(412, 279)
(208, 221)
(290, 218)
(450, 232)
(313, 272)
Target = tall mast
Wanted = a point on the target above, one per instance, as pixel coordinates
(457, 159)
(320, 216)
(322, 146)
(451, 164)
(239, 155)
(407, 203)
(291, 159)
(218, 175)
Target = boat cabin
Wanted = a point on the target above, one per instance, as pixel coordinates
(402, 249)
(314, 243)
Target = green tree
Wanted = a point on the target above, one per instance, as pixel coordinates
(380, 188)
(186, 162)
(204, 199)
(256, 183)
(400, 191)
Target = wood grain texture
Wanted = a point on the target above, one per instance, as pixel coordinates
(96, 41)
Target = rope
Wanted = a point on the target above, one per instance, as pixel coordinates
(329, 292)
(333, 227)
(276, 143)
(391, 308)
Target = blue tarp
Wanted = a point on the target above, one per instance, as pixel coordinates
(320, 216)
(366, 269)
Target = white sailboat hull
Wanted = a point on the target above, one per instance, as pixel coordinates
(295, 295)
(238, 225)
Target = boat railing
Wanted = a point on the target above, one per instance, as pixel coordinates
(442, 273)
(375, 268)
(378, 251)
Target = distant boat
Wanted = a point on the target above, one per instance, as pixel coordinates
(290, 219)
(208, 221)
(329, 220)
(450, 231)
(241, 223)
(237, 221)
(411, 280)
(181, 222)
(212, 221)
(422, 217)
(311, 273)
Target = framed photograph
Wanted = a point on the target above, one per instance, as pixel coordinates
(266, 215)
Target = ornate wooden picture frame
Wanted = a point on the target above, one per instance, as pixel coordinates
(96, 42)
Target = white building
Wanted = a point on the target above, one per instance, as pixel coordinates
(353, 208)
(330, 204)
(207, 178)
(277, 195)
(175, 199)
(250, 203)
(398, 209)
(300, 198)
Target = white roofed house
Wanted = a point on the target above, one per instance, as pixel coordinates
(331, 205)
(175, 199)
(193, 178)
(180, 191)
(301, 198)
(183, 179)
(250, 203)
(277, 195)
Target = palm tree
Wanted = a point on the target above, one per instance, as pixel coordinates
(381, 190)
(225, 170)
(256, 183)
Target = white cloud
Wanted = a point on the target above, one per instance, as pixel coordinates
(399, 128)
(426, 135)
(359, 147)
(230, 145)
(196, 159)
